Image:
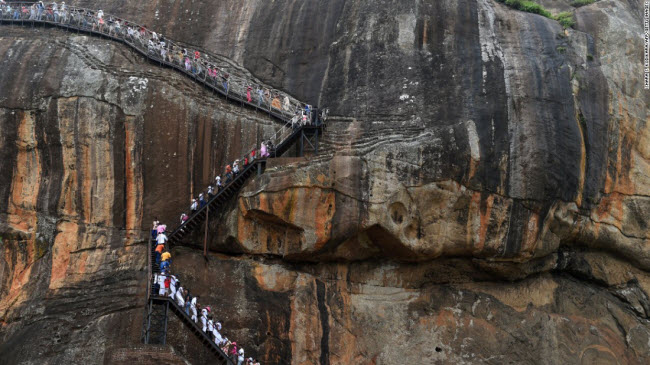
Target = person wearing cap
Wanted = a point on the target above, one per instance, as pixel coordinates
(100, 20)
(204, 319)
(195, 205)
(233, 351)
(218, 182)
(240, 358)
(166, 256)
(154, 229)
(218, 339)
(184, 218)
(202, 201)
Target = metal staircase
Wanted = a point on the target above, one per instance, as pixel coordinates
(230, 83)
(157, 309)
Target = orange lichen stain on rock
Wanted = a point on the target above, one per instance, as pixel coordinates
(67, 205)
(86, 185)
(484, 221)
(530, 234)
(133, 203)
(304, 328)
(64, 243)
(274, 278)
(23, 220)
(274, 219)
(27, 173)
(610, 210)
(445, 318)
(97, 179)
(324, 213)
(321, 178)
(22, 255)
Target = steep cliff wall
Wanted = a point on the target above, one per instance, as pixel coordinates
(482, 195)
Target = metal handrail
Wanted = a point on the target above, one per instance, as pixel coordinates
(202, 69)
(207, 69)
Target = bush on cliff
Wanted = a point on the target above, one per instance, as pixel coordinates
(579, 3)
(527, 6)
(564, 18)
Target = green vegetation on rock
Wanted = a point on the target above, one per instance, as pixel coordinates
(527, 6)
(564, 18)
(579, 3)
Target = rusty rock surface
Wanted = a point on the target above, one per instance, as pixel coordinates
(482, 194)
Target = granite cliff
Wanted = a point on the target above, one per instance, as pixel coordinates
(482, 194)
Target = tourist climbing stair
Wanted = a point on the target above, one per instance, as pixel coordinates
(222, 78)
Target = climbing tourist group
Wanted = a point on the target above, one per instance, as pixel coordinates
(206, 69)
(167, 284)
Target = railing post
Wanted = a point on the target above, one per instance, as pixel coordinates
(164, 339)
(205, 239)
(150, 308)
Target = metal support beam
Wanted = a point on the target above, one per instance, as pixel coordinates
(301, 152)
(164, 337)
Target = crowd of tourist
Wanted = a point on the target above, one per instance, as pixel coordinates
(206, 68)
(167, 284)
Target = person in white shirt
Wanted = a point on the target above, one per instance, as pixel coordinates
(179, 296)
(193, 309)
(63, 12)
(161, 238)
(204, 319)
(218, 182)
(240, 358)
(210, 326)
(161, 282)
(217, 335)
(172, 286)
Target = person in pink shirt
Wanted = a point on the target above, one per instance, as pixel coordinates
(263, 152)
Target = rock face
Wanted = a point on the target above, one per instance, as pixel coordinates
(482, 192)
